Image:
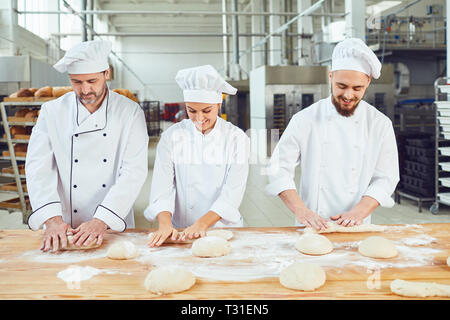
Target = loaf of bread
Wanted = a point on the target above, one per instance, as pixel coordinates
(31, 114)
(24, 93)
(33, 90)
(127, 93)
(18, 130)
(44, 92)
(60, 91)
(20, 147)
(21, 112)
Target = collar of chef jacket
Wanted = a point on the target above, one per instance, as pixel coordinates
(88, 122)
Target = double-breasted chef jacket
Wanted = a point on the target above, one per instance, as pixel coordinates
(195, 173)
(82, 166)
(342, 158)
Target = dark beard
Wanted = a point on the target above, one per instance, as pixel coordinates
(94, 100)
(342, 111)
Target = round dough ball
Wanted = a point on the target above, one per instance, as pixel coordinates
(122, 250)
(226, 234)
(313, 243)
(303, 276)
(377, 247)
(169, 279)
(210, 246)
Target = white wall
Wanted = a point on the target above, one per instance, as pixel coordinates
(159, 70)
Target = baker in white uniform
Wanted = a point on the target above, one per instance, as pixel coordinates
(346, 148)
(201, 164)
(87, 156)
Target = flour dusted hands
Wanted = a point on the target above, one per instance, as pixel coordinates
(55, 235)
(164, 231)
(89, 232)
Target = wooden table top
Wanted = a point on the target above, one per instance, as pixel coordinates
(27, 273)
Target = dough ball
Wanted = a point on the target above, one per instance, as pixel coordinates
(419, 289)
(312, 243)
(169, 280)
(303, 276)
(122, 250)
(210, 246)
(72, 246)
(377, 247)
(226, 234)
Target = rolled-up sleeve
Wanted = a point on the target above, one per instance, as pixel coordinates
(285, 158)
(162, 190)
(232, 192)
(42, 175)
(386, 174)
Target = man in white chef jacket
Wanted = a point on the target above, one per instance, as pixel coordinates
(87, 156)
(346, 148)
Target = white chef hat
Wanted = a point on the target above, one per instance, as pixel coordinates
(85, 57)
(203, 84)
(354, 54)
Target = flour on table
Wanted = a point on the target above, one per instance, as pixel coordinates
(78, 273)
(420, 240)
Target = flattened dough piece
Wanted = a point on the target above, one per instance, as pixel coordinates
(226, 234)
(303, 276)
(311, 243)
(419, 289)
(210, 246)
(71, 246)
(377, 247)
(169, 279)
(122, 250)
(333, 227)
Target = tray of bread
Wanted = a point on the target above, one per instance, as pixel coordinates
(38, 95)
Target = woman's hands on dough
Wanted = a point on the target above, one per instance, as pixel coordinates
(197, 230)
(55, 234)
(158, 237)
(164, 231)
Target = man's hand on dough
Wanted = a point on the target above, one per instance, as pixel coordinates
(164, 231)
(89, 231)
(55, 235)
(310, 219)
(350, 218)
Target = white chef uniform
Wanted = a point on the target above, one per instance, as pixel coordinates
(195, 173)
(82, 166)
(342, 158)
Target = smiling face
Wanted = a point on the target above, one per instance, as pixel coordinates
(90, 88)
(203, 115)
(347, 89)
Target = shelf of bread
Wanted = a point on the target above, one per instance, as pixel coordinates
(38, 95)
(12, 186)
(48, 93)
(10, 170)
(14, 203)
(20, 150)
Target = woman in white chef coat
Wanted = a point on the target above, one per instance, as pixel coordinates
(87, 157)
(346, 148)
(201, 164)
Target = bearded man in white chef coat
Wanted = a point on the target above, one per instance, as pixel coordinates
(346, 148)
(87, 157)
